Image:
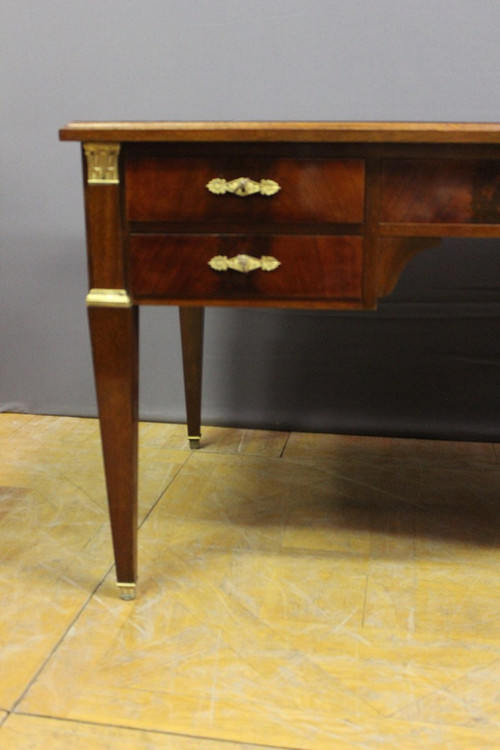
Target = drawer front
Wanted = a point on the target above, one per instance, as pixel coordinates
(304, 268)
(311, 190)
(438, 191)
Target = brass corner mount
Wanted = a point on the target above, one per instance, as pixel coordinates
(102, 163)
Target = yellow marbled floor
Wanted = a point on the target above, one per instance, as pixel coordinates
(296, 591)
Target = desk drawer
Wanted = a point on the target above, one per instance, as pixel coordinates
(307, 268)
(310, 190)
(440, 191)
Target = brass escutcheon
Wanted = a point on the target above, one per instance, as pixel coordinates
(243, 263)
(242, 186)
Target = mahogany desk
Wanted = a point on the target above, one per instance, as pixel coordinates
(296, 215)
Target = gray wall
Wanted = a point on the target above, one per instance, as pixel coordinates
(426, 364)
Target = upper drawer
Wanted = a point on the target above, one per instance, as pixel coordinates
(311, 190)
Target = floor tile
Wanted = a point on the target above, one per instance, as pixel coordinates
(242, 441)
(245, 604)
(215, 439)
(11, 422)
(36, 733)
(302, 591)
(54, 553)
(389, 451)
(56, 544)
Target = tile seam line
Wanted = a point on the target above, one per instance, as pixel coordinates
(283, 450)
(163, 491)
(31, 681)
(21, 426)
(152, 730)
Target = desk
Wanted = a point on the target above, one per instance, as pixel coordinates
(296, 215)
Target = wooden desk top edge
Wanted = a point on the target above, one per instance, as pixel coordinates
(333, 132)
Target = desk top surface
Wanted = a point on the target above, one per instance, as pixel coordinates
(327, 132)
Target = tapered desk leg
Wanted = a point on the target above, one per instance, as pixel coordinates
(192, 322)
(114, 335)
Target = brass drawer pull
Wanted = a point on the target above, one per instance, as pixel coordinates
(242, 186)
(243, 263)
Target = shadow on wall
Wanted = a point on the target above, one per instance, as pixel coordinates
(426, 364)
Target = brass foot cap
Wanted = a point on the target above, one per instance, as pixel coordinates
(127, 591)
(194, 442)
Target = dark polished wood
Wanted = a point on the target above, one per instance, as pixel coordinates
(192, 324)
(114, 336)
(313, 269)
(174, 190)
(272, 132)
(356, 202)
(449, 192)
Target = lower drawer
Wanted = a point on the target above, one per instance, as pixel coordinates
(311, 269)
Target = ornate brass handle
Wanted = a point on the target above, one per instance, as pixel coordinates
(243, 263)
(242, 186)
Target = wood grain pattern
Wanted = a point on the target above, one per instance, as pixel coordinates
(314, 190)
(340, 132)
(175, 268)
(104, 237)
(393, 255)
(440, 191)
(114, 336)
(191, 321)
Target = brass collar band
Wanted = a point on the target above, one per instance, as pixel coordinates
(108, 298)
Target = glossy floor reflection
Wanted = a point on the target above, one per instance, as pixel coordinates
(296, 591)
